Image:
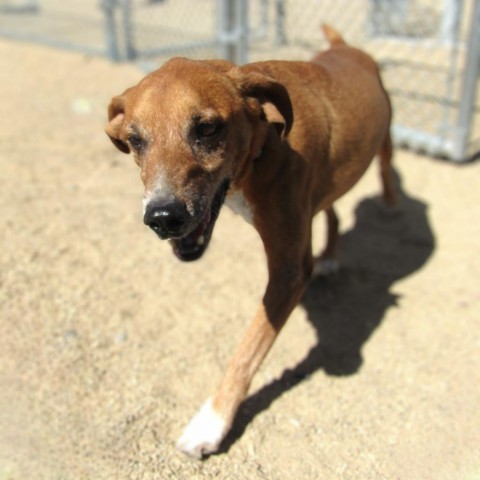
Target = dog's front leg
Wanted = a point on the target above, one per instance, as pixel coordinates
(287, 281)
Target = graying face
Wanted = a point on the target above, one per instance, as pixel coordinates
(193, 126)
(188, 144)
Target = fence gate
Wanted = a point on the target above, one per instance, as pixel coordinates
(428, 50)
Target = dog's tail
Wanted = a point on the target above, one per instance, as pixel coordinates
(333, 37)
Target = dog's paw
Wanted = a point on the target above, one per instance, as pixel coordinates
(325, 266)
(204, 433)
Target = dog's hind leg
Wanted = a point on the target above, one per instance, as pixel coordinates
(328, 263)
(386, 154)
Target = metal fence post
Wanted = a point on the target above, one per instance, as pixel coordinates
(280, 35)
(450, 20)
(108, 7)
(469, 86)
(233, 30)
(131, 52)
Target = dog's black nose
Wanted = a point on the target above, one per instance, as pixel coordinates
(166, 219)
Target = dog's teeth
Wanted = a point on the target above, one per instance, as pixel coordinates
(200, 240)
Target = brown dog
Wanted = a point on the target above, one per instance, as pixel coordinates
(282, 141)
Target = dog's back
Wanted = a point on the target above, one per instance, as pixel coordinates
(339, 101)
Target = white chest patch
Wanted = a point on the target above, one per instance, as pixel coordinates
(239, 205)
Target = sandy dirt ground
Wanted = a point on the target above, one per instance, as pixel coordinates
(108, 344)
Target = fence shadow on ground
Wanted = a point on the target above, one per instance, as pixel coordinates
(383, 247)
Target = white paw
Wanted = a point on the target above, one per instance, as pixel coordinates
(325, 267)
(204, 433)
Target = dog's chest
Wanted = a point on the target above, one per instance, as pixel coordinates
(239, 205)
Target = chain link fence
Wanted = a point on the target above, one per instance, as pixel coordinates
(119, 29)
(428, 50)
(74, 25)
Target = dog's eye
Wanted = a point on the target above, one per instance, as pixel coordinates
(136, 142)
(209, 129)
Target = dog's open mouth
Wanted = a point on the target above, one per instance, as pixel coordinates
(192, 246)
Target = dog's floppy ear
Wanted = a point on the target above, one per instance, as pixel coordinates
(272, 95)
(116, 114)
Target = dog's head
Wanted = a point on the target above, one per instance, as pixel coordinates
(193, 128)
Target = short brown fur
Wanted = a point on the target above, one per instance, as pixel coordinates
(298, 135)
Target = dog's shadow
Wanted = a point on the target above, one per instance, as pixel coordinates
(384, 245)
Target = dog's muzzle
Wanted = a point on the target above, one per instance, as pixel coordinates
(169, 219)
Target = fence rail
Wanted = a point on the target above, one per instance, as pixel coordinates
(429, 50)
